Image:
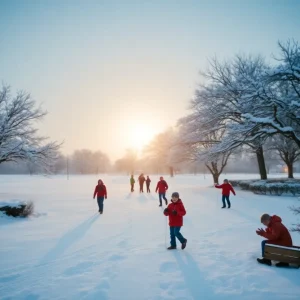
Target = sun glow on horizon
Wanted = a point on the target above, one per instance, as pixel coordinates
(140, 136)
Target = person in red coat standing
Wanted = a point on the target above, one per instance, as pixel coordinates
(162, 187)
(276, 233)
(176, 211)
(226, 189)
(101, 193)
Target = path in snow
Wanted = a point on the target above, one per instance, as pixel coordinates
(68, 251)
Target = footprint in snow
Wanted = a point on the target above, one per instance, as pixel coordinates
(78, 269)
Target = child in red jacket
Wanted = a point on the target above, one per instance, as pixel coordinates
(100, 191)
(176, 211)
(226, 189)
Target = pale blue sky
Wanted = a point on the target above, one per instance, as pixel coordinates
(104, 68)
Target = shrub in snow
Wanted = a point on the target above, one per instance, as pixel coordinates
(273, 187)
(17, 209)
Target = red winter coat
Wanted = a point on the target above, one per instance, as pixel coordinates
(162, 186)
(226, 189)
(276, 233)
(100, 191)
(176, 220)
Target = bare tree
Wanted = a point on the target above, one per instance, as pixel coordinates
(128, 163)
(158, 150)
(18, 136)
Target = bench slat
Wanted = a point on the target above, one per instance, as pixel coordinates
(281, 258)
(282, 251)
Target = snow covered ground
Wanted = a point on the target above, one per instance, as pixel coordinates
(68, 251)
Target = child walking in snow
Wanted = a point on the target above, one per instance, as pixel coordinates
(162, 187)
(226, 189)
(100, 191)
(176, 211)
(148, 184)
(132, 182)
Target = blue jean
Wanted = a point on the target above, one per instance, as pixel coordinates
(100, 201)
(263, 243)
(175, 233)
(227, 199)
(162, 196)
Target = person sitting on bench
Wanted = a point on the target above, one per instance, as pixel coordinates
(276, 233)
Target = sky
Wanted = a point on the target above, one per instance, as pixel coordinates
(112, 74)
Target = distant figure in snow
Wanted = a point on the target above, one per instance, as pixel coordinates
(162, 187)
(148, 184)
(276, 233)
(141, 182)
(176, 211)
(226, 189)
(132, 182)
(100, 191)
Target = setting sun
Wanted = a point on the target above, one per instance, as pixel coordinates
(141, 136)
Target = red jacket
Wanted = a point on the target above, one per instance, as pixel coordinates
(226, 189)
(175, 220)
(162, 186)
(276, 233)
(100, 191)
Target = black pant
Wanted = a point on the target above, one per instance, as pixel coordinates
(224, 197)
(132, 187)
(148, 188)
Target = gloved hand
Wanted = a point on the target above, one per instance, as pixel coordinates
(174, 212)
(166, 210)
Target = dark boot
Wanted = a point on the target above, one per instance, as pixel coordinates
(171, 248)
(229, 206)
(166, 202)
(264, 261)
(160, 205)
(223, 207)
(282, 264)
(183, 245)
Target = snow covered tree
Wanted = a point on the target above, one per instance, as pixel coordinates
(88, 162)
(281, 97)
(158, 150)
(193, 145)
(18, 136)
(128, 163)
(220, 103)
(287, 150)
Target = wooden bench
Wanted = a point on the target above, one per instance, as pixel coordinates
(289, 255)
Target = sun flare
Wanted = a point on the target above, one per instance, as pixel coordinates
(140, 136)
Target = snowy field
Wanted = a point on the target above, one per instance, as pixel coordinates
(68, 251)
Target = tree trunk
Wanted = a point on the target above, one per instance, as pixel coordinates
(290, 170)
(261, 163)
(171, 171)
(216, 178)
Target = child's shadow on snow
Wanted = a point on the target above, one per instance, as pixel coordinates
(67, 240)
(151, 197)
(128, 196)
(142, 198)
(193, 277)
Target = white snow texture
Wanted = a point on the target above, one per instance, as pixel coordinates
(69, 251)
